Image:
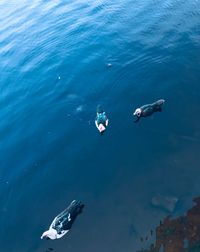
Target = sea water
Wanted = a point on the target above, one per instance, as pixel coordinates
(58, 61)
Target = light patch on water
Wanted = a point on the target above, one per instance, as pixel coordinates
(79, 109)
(72, 96)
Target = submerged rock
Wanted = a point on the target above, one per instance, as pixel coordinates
(179, 234)
(165, 202)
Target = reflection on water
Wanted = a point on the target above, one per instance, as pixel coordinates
(181, 234)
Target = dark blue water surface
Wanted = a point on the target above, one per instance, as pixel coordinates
(54, 58)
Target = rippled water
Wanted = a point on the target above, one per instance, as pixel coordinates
(54, 58)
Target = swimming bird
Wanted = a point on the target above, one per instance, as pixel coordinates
(101, 120)
(62, 223)
(148, 109)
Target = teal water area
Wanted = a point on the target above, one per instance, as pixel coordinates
(54, 58)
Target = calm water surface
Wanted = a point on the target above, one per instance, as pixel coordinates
(53, 73)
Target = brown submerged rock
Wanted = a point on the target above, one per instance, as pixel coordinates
(181, 234)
